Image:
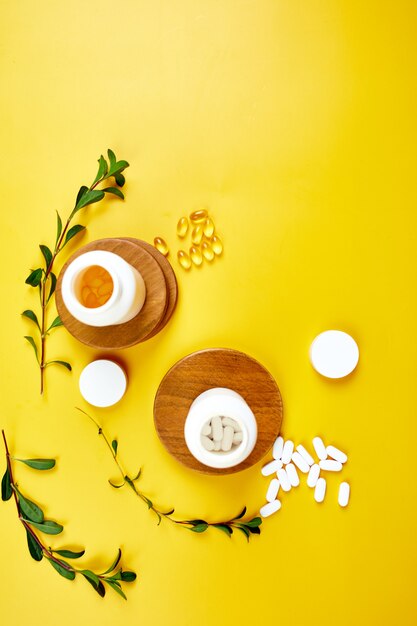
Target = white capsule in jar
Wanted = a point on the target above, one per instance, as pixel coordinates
(217, 445)
(300, 462)
(273, 489)
(292, 475)
(228, 421)
(320, 490)
(271, 467)
(344, 493)
(284, 481)
(270, 508)
(207, 443)
(237, 437)
(313, 475)
(217, 428)
(206, 430)
(227, 438)
(336, 454)
(287, 451)
(277, 448)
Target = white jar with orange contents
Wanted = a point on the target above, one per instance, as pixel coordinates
(99, 288)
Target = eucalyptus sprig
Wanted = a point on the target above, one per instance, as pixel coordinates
(33, 519)
(245, 526)
(43, 278)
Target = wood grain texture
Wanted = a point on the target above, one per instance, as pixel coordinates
(137, 329)
(170, 280)
(204, 370)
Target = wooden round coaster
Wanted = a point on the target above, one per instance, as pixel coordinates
(204, 370)
(170, 279)
(134, 331)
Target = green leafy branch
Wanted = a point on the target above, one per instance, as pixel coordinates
(43, 278)
(247, 527)
(33, 519)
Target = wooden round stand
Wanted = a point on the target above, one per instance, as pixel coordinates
(216, 368)
(161, 296)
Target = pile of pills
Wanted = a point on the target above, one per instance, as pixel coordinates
(288, 460)
(221, 434)
(96, 287)
(205, 243)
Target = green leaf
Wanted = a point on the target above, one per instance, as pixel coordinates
(149, 502)
(115, 586)
(244, 531)
(34, 277)
(57, 322)
(199, 528)
(52, 287)
(63, 363)
(138, 474)
(39, 464)
(33, 344)
(118, 167)
(59, 566)
(91, 576)
(99, 588)
(48, 527)
(6, 486)
(102, 169)
(254, 530)
(241, 514)
(31, 315)
(112, 157)
(81, 193)
(89, 197)
(120, 179)
(69, 554)
(47, 255)
(30, 509)
(34, 548)
(128, 577)
(225, 528)
(115, 192)
(256, 521)
(58, 228)
(116, 486)
(114, 564)
(114, 446)
(170, 512)
(72, 232)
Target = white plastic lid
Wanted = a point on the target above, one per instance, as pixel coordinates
(102, 383)
(334, 354)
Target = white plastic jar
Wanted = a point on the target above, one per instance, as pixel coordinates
(126, 300)
(222, 402)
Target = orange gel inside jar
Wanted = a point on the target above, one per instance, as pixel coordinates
(96, 287)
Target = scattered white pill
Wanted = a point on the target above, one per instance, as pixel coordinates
(300, 462)
(313, 475)
(217, 428)
(336, 454)
(330, 466)
(344, 493)
(287, 451)
(227, 440)
(334, 354)
(292, 475)
(277, 448)
(206, 431)
(271, 468)
(273, 489)
(270, 508)
(320, 490)
(284, 481)
(207, 442)
(320, 448)
(102, 383)
(305, 454)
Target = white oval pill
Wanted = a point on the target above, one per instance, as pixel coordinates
(102, 383)
(228, 421)
(313, 475)
(277, 448)
(227, 438)
(284, 481)
(238, 437)
(273, 489)
(320, 490)
(287, 451)
(292, 475)
(336, 454)
(300, 462)
(344, 493)
(217, 428)
(330, 466)
(305, 454)
(206, 430)
(320, 448)
(207, 443)
(271, 468)
(334, 354)
(217, 445)
(270, 508)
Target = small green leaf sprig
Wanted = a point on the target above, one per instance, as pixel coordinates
(32, 518)
(43, 278)
(246, 526)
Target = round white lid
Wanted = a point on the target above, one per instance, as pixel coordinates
(102, 383)
(334, 354)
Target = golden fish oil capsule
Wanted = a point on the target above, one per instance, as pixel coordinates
(196, 256)
(217, 245)
(183, 259)
(197, 235)
(182, 227)
(208, 227)
(199, 216)
(207, 251)
(161, 245)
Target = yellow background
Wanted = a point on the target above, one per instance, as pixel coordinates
(294, 122)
